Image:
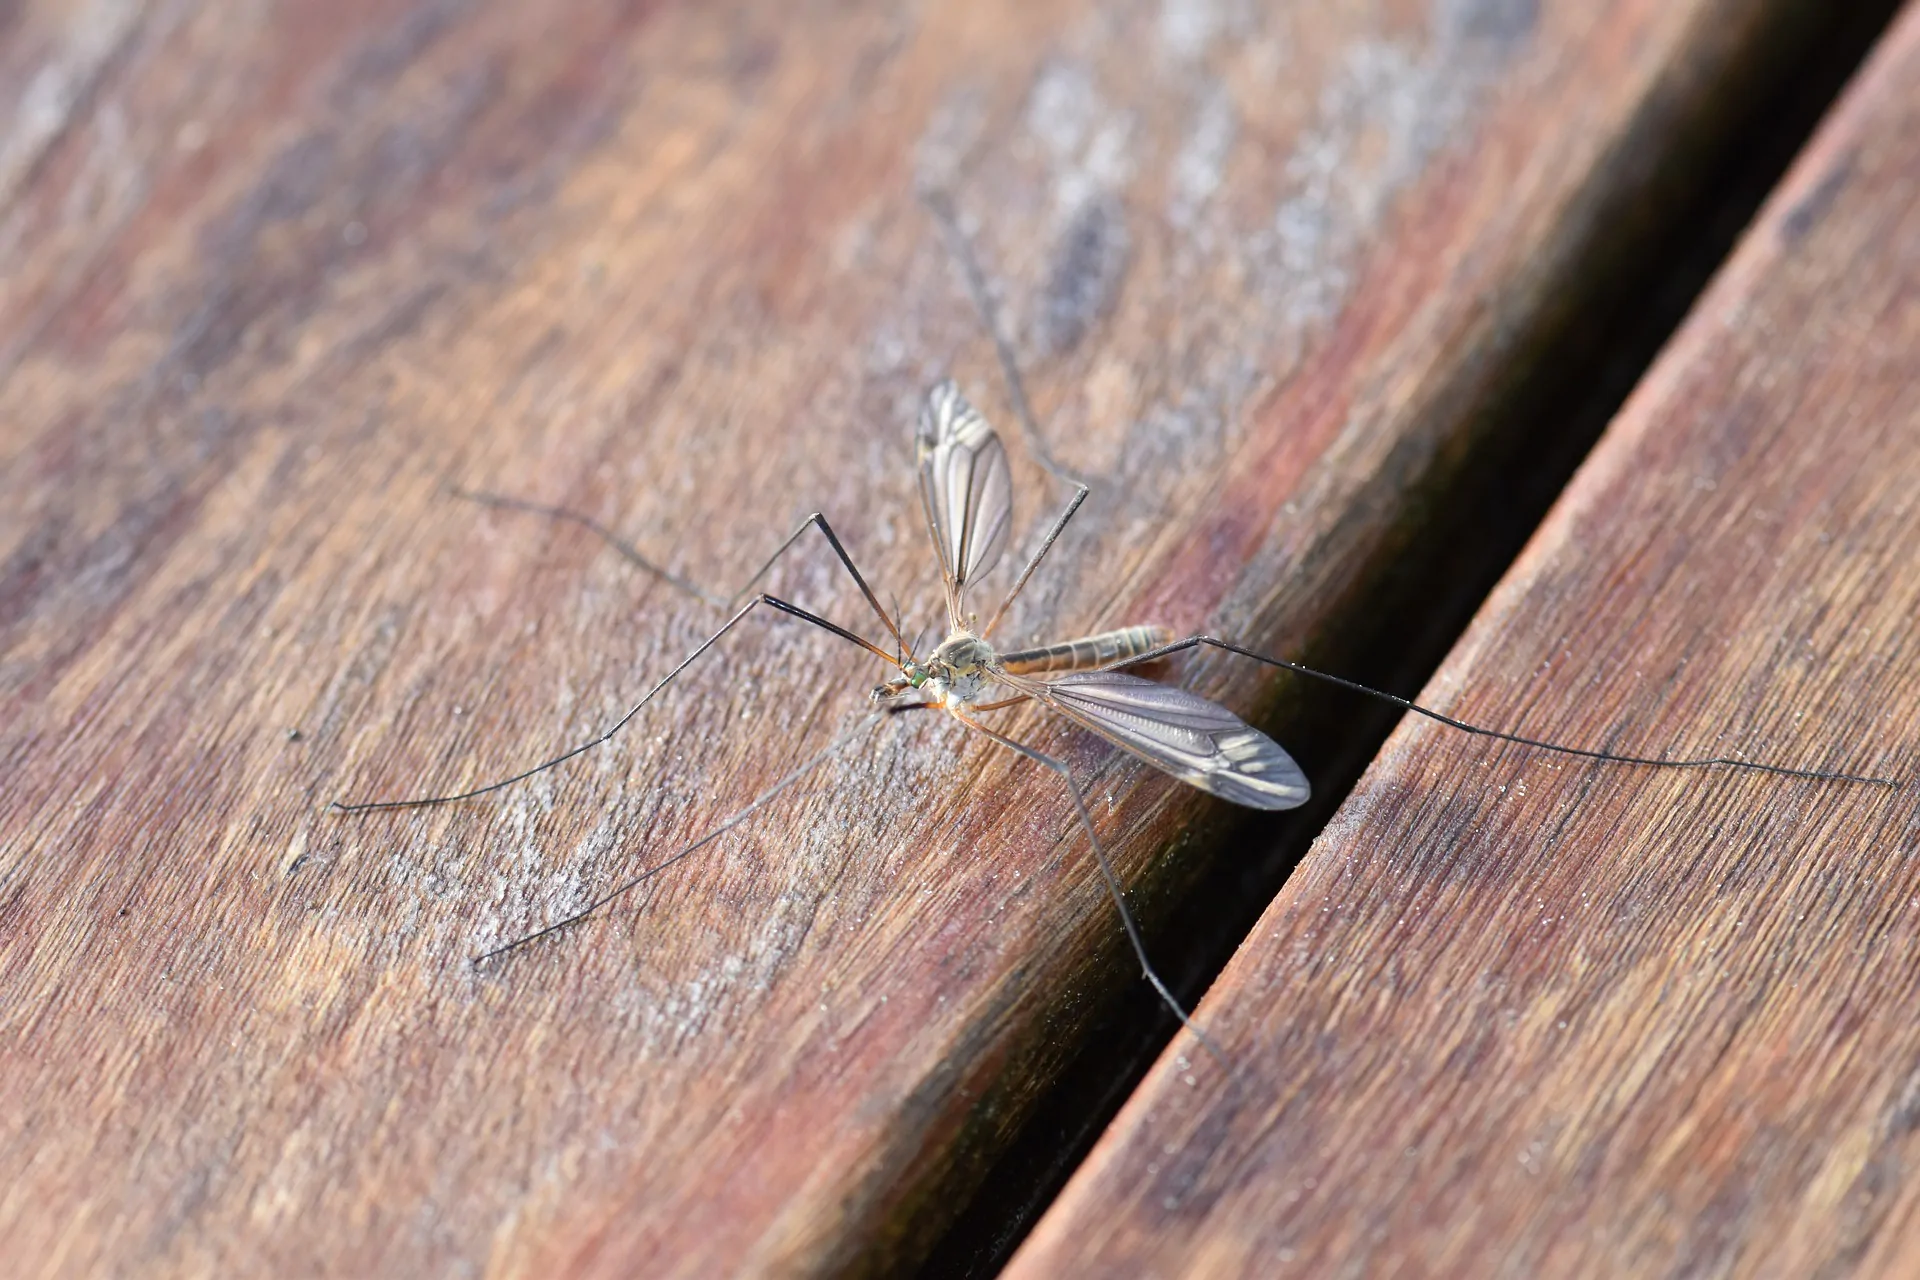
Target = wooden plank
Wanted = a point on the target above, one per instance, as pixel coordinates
(276, 275)
(1522, 1016)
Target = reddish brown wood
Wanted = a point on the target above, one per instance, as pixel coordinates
(276, 274)
(1523, 1016)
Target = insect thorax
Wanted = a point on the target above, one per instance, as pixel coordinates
(959, 668)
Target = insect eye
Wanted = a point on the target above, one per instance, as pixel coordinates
(916, 677)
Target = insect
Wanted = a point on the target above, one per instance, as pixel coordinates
(966, 495)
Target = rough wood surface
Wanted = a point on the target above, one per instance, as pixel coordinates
(1522, 1016)
(276, 274)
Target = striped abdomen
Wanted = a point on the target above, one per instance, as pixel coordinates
(1102, 650)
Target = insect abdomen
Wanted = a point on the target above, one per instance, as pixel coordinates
(1085, 654)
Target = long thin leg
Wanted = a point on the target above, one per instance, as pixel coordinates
(770, 601)
(631, 554)
(794, 775)
(1046, 545)
(1404, 704)
(627, 550)
(1003, 702)
(833, 540)
(940, 205)
(1106, 872)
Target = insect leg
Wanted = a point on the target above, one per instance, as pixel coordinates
(770, 601)
(633, 556)
(1663, 762)
(1106, 872)
(940, 205)
(1046, 544)
(627, 550)
(1003, 702)
(864, 724)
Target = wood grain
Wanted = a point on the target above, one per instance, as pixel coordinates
(278, 274)
(1522, 1016)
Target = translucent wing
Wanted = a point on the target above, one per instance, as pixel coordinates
(1181, 732)
(966, 486)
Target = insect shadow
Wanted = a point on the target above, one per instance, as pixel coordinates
(966, 496)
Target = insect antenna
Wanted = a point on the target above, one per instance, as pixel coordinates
(1588, 753)
(860, 727)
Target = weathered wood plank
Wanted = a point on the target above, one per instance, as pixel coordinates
(276, 274)
(1522, 1016)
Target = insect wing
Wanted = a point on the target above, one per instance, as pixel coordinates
(1195, 740)
(966, 484)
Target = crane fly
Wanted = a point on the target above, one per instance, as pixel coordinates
(966, 493)
(967, 496)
